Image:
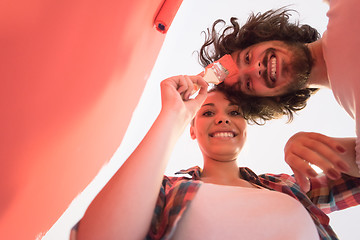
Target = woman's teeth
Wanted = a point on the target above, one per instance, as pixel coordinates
(223, 134)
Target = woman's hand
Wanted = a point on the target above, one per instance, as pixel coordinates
(149, 161)
(333, 155)
(176, 92)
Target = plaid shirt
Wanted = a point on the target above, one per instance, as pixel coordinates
(324, 197)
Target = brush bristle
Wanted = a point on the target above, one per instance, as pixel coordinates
(221, 70)
(229, 64)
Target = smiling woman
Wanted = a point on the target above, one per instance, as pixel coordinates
(213, 131)
(182, 207)
(176, 58)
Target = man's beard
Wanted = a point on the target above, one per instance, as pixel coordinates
(300, 66)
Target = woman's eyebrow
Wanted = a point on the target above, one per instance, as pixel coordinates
(208, 104)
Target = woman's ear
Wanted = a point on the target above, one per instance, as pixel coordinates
(192, 132)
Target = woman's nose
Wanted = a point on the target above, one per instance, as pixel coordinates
(220, 121)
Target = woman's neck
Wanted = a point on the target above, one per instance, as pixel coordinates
(318, 76)
(220, 172)
(223, 173)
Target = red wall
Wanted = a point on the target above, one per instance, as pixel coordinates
(72, 73)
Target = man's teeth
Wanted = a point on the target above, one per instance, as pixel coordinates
(224, 134)
(273, 68)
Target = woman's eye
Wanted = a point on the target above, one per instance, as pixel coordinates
(208, 114)
(235, 113)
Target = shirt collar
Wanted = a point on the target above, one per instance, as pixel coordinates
(244, 172)
(194, 172)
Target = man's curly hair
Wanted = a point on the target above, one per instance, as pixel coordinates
(271, 25)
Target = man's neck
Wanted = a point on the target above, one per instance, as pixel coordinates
(318, 76)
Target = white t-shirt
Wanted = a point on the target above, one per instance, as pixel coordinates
(227, 212)
(341, 49)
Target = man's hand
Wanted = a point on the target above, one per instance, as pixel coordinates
(332, 155)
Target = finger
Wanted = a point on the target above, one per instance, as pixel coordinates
(202, 94)
(315, 148)
(313, 157)
(330, 142)
(202, 74)
(169, 86)
(302, 180)
(199, 81)
(300, 165)
(196, 88)
(176, 82)
(182, 85)
(326, 154)
(190, 88)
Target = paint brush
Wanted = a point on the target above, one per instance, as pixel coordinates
(221, 69)
(218, 71)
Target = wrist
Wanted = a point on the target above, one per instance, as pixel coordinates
(175, 119)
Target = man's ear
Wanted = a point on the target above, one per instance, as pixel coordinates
(192, 132)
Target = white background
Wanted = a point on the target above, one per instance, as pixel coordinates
(263, 151)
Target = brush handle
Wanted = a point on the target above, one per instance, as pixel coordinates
(214, 75)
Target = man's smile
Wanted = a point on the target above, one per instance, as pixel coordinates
(272, 68)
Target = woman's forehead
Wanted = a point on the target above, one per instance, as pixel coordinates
(216, 98)
(215, 95)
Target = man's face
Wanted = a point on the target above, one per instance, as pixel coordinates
(268, 69)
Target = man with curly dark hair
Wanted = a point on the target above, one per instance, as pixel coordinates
(281, 64)
(266, 40)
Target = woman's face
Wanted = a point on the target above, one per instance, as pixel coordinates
(219, 128)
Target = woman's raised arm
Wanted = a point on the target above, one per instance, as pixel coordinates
(124, 207)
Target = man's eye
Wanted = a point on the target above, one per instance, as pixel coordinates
(248, 84)
(247, 58)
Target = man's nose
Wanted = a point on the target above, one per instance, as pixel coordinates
(255, 70)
